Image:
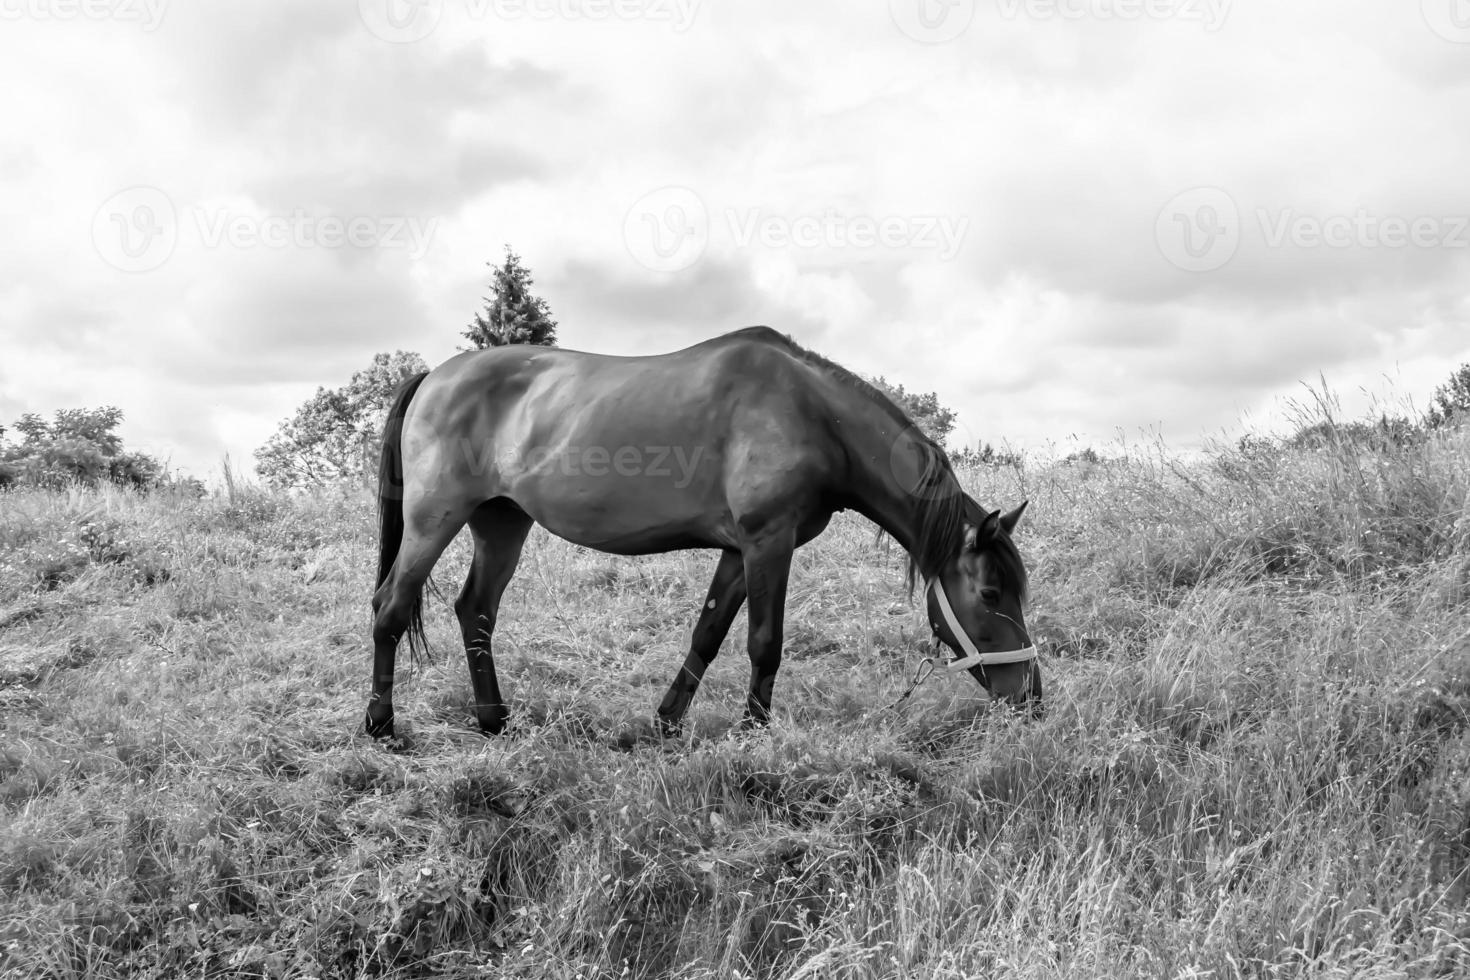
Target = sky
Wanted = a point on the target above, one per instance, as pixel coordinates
(1077, 221)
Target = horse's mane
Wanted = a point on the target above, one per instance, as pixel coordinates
(842, 375)
(944, 510)
(944, 507)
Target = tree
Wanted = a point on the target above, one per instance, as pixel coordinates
(986, 455)
(1451, 402)
(1086, 456)
(513, 315)
(78, 445)
(335, 433)
(1379, 434)
(932, 418)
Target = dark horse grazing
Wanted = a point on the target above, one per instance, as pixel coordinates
(746, 443)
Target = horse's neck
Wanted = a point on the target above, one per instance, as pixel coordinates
(885, 467)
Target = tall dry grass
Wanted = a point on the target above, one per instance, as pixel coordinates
(1255, 760)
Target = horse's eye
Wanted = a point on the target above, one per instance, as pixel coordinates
(990, 596)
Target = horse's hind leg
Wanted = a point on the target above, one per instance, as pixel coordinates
(500, 530)
(726, 594)
(396, 606)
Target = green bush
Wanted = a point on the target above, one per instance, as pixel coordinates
(78, 446)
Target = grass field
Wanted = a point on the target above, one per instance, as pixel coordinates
(1255, 760)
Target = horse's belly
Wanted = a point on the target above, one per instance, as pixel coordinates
(625, 515)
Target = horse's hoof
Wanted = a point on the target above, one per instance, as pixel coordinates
(491, 731)
(397, 744)
(639, 733)
(489, 717)
(751, 725)
(380, 729)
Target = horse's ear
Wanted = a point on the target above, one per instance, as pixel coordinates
(1009, 521)
(976, 535)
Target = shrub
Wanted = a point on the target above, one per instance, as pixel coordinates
(76, 446)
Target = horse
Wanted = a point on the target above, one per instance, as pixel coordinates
(746, 443)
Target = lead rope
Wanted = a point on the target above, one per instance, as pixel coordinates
(922, 673)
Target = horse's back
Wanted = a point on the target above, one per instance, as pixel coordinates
(648, 393)
(738, 349)
(627, 454)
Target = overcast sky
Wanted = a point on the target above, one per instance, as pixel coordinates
(1071, 219)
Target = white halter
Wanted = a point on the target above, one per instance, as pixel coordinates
(973, 657)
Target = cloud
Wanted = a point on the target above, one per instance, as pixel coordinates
(606, 307)
(271, 320)
(1053, 145)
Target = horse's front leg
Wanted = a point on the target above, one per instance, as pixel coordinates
(726, 594)
(767, 568)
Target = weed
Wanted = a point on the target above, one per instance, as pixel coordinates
(1255, 760)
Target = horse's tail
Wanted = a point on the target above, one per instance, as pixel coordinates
(390, 504)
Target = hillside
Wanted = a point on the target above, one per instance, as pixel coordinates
(1255, 759)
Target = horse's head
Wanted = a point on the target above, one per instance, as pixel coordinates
(974, 606)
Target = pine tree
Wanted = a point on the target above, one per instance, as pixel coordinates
(512, 315)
